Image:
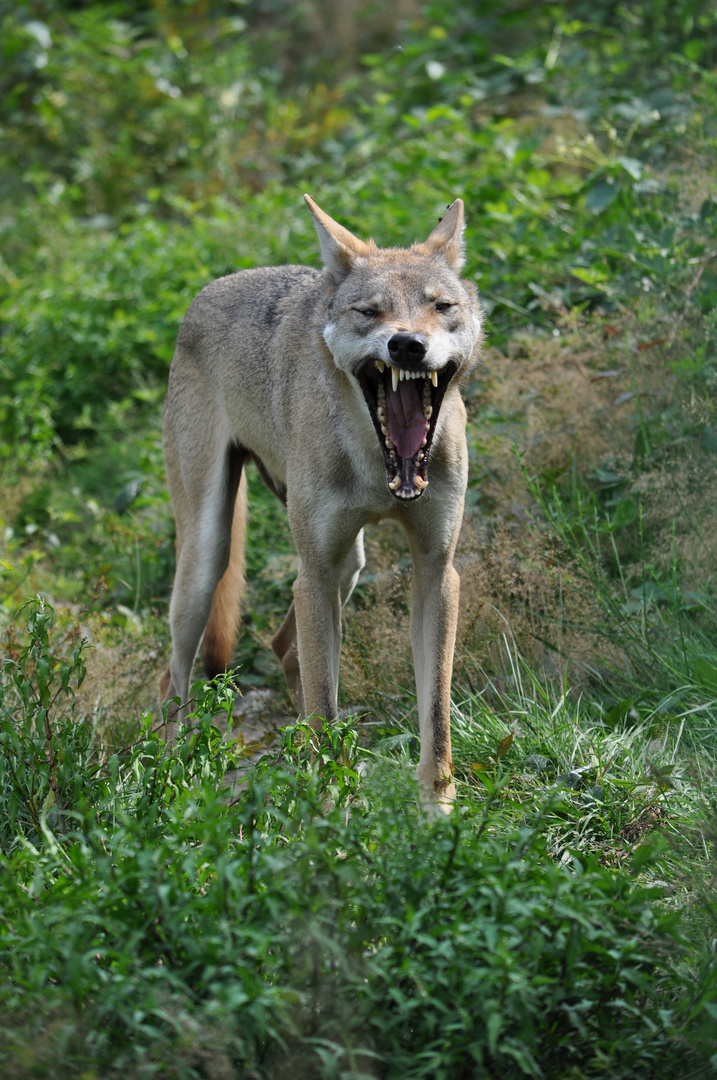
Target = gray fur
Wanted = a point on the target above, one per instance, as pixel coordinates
(270, 362)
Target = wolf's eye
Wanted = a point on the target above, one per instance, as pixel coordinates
(369, 312)
(443, 306)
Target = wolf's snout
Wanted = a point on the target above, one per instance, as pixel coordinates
(407, 348)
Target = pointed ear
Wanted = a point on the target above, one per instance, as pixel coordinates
(339, 247)
(447, 237)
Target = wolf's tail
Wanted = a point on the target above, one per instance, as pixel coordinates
(220, 634)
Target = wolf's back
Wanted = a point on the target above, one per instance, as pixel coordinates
(243, 343)
(248, 303)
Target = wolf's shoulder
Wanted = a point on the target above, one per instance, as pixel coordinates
(264, 287)
(258, 298)
(260, 277)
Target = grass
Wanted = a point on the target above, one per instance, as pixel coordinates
(157, 918)
(170, 910)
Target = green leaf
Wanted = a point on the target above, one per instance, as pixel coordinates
(601, 195)
(607, 477)
(504, 746)
(591, 276)
(617, 712)
(694, 49)
(644, 854)
(633, 166)
(493, 1026)
(626, 512)
(642, 445)
(706, 675)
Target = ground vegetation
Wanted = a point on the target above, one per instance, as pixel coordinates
(231, 905)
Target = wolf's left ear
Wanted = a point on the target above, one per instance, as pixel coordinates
(339, 247)
(447, 237)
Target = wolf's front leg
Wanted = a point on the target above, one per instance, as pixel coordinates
(329, 543)
(434, 615)
(317, 603)
(284, 642)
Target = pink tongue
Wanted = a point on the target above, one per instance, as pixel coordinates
(406, 423)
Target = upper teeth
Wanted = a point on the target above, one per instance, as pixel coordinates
(398, 374)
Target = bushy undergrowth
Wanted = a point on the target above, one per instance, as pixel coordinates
(572, 184)
(155, 916)
(170, 908)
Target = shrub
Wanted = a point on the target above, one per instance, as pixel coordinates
(312, 922)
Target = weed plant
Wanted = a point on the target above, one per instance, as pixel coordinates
(156, 917)
(168, 907)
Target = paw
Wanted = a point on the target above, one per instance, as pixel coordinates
(438, 796)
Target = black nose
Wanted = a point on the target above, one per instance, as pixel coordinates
(406, 349)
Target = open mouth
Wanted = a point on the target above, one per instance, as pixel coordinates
(404, 406)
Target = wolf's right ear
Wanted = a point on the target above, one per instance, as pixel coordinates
(339, 247)
(447, 237)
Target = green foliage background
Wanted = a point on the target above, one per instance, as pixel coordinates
(154, 918)
(158, 161)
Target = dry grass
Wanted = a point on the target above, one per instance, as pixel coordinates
(123, 672)
(557, 409)
(679, 501)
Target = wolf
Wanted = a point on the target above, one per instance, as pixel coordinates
(343, 386)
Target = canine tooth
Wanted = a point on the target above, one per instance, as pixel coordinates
(395, 483)
(428, 411)
(420, 483)
(380, 365)
(394, 378)
(434, 378)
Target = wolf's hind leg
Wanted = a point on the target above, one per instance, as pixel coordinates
(220, 634)
(284, 640)
(284, 645)
(205, 531)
